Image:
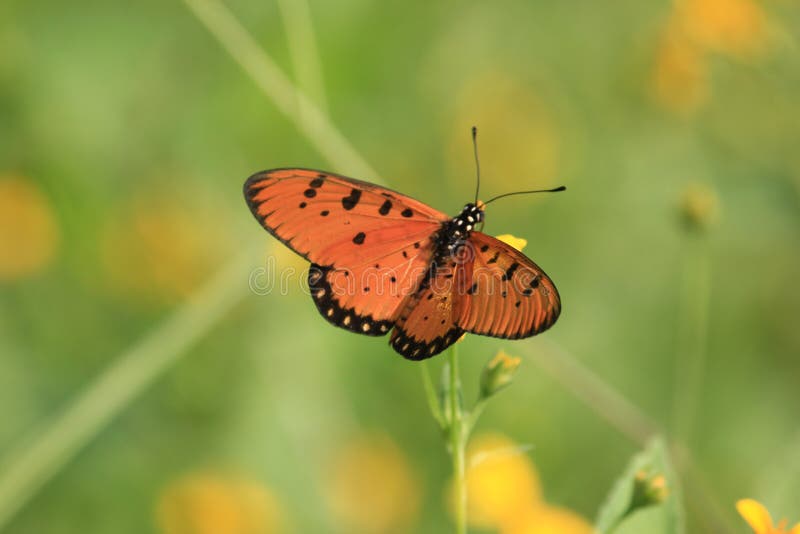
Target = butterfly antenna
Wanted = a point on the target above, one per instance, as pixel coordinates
(554, 190)
(477, 163)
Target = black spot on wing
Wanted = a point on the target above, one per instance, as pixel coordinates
(310, 193)
(407, 212)
(510, 271)
(359, 238)
(350, 201)
(385, 207)
(317, 182)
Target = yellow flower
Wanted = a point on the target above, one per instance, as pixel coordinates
(214, 504)
(737, 28)
(159, 248)
(696, 29)
(371, 488)
(679, 81)
(505, 494)
(28, 232)
(502, 483)
(516, 242)
(549, 520)
(759, 519)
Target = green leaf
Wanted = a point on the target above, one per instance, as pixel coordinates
(626, 512)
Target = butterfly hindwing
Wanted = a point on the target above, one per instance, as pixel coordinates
(508, 295)
(428, 322)
(337, 312)
(367, 297)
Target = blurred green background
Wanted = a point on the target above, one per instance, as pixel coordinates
(127, 130)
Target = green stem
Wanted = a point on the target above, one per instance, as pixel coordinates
(430, 393)
(457, 445)
(471, 418)
(692, 336)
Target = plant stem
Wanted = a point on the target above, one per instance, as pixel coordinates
(457, 445)
(430, 393)
(471, 418)
(692, 336)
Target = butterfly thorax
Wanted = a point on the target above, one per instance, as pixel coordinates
(456, 231)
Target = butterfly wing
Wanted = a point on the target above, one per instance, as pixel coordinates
(370, 246)
(322, 216)
(428, 322)
(507, 295)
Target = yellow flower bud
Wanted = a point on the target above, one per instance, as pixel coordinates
(699, 207)
(648, 490)
(498, 373)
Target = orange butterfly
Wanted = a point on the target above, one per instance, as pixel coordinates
(383, 261)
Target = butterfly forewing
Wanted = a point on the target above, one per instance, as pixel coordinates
(508, 296)
(328, 218)
(370, 246)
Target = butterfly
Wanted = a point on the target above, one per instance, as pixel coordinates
(382, 261)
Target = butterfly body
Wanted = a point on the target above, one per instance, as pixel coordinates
(382, 261)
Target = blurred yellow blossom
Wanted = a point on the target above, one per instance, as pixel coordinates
(521, 142)
(516, 242)
(549, 520)
(504, 492)
(759, 519)
(738, 28)
(680, 78)
(29, 234)
(694, 30)
(159, 248)
(218, 504)
(371, 487)
(699, 207)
